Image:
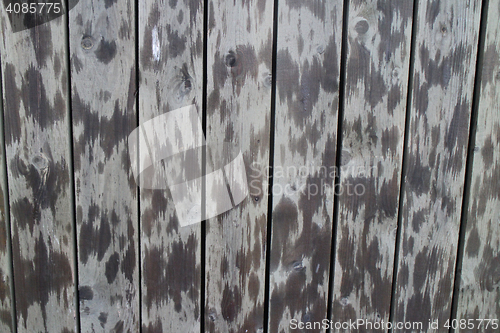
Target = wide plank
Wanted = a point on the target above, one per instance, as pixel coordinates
(376, 89)
(446, 41)
(37, 145)
(171, 71)
(239, 76)
(479, 293)
(103, 95)
(309, 40)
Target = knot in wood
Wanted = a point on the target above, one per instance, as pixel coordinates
(87, 42)
(297, 266)
(344, 301)
(362, 27)
(212, 315)
(40, 162)
(268, 80)
(231, 59)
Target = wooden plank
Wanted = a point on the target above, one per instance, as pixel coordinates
(479, 295)
(171, 65)
(376, 84)
(239, 58)
(7, 323)
(307, 100)
(445, 47)
(103, 77)
(35, 83)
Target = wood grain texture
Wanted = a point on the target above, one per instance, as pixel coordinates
(445, 47)
(171, 70)
(7, 323)
(376, 88)
(307, 100)
(35, 84)
(239, 58)
(479, 296)
(103, 77)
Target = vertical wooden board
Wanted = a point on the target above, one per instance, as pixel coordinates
(6, 286)
(35, 87)
(171, 64)
(376, 88)
(103, 77)
(239, 65)
(307, 100)
(171, 70)
(445, 47)
(479, 295)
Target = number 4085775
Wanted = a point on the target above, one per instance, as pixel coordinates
(34, 8)
(472, 324)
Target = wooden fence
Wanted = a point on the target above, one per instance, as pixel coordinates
(377, 122)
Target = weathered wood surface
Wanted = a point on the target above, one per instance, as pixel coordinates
(239, 58)
(7, 322)
(103, 77)
(130, 242)
(479, 294)
(37, 144)
(376, 88)
(171, 76)
(445, 46)
(307, 100)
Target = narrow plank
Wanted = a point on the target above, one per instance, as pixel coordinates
(479, 295)
(445, 47)
(35, 84)
(307, 100)
(103, 77)
(376, 88)
(171, 67)
(239, 58)
(6, 287)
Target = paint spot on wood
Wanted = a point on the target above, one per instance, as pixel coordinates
(433, 11)
(48, 273)
(41, 37)
(162, 275)
(418, 175)
(285, 223)
(231, 303)
(109, 3)
(103, 318)
(106, 51)
(491, 62)
(94, 241)
(112, 267)
(12, 105)
(487, 152)
(128, 263)
(316, 7)
(473, 243)
(37, 104)
(85, 293)
(24, 214)
(176, 44)
(155, 327)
